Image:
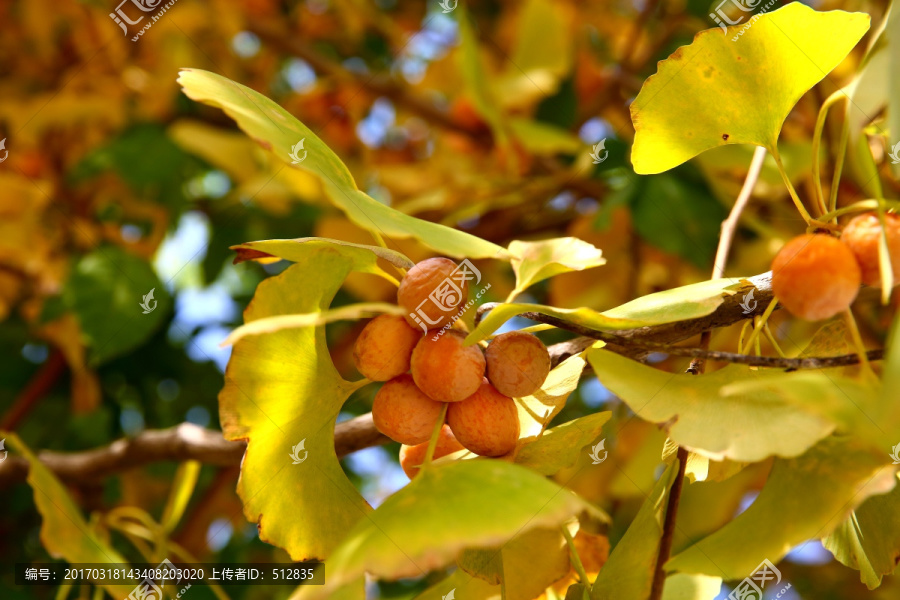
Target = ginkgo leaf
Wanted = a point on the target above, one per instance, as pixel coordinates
(473, 74)
(64, 531)
(536, 261)
(678, 304)
(272, 324)
(445, 509)
(537, 410)
(869, 540)
(803, 498)
(561, 446)
(719, 91)
(294, 249)
(281, 388)
(629, 571)
(476, 589)
(277, 130)
(777, 417)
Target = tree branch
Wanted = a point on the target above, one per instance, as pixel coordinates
(184, 442)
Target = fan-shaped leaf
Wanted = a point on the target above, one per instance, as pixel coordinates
(718, 91)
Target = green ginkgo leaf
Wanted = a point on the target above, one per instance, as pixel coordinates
(64, 532)
(724, 415)
(720, 90)
(277, 130)
(869, 540)
(281, 390)
(536, 261)
(561, 446)
(678, 304)
(445, 509)
(629, 571)
(803, 498)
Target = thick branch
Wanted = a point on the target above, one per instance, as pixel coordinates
(184, 442)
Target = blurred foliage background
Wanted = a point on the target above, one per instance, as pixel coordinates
(115, 184)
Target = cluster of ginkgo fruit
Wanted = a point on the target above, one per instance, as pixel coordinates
(816, 276)
(423, 369)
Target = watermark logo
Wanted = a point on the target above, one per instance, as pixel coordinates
(295, 452)
(894, 153)
(746, 304)
(121, 18)
(751, 588)
(895, 453)
(145, 304)
(595, 452)
(449, 7)
(147, 588)
(720, 16)
(452, 594)
(295, 158)
(447, 295)
(3, 147)
(3, 450)
(599, 147)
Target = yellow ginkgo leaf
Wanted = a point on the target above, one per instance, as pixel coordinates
(737, 88)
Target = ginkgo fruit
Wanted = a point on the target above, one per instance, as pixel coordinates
(517, 363)
(403, 413)
(444, 368)
(862, 235)
(815, 276)
(384, 347)
(413, 456)
(430, 294)
(486, 423)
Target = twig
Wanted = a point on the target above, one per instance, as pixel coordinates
(42, 382)
(668, 529)
(729, 225)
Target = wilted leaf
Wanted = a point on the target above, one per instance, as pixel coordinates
(277, 130)
(424, 526)
(64, 532)
(537, 261)
(717, 91)
(804, 498)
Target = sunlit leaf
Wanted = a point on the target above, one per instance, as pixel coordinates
(679, 304)
(716, 416)
(473, 73)
(536, 411)
(460, 582)
(804, 498)
(281, 389)
(542, 54)
(561, 446)
(349, 312)
(681, 586)
(424, 526)
(629, 571)
(277, 130)
(869, 540)
(537, 261)
(64, 532)
(717, 91)
(294, 250)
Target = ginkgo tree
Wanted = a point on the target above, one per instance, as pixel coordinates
(813, 433)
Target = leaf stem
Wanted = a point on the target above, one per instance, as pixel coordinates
(803, 212)
(576, 559)
(432, 443)
(858, 343)
(816, 144)
(759, 325)
(839, 165)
